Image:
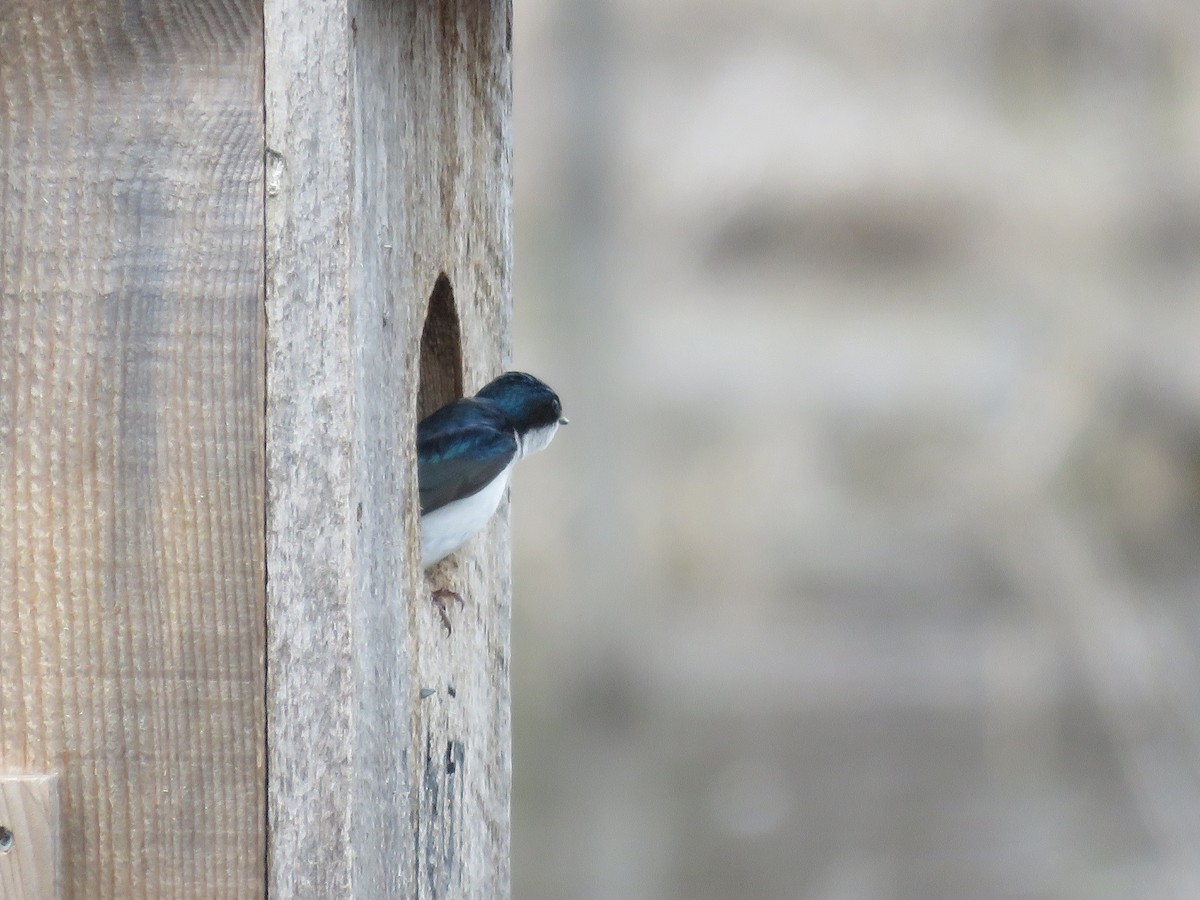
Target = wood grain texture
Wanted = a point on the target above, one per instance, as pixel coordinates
(30, 837)
(389, 162)
(131, 462)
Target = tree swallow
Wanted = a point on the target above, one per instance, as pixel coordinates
(466, 451)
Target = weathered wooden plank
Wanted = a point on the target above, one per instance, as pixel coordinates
(388, 163)
(30, 838)
(131, 462)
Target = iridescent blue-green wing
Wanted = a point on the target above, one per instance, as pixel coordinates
(461, 448)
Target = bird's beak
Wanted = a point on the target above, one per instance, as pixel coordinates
(564, 421)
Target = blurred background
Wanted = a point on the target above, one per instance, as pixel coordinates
(869, 564)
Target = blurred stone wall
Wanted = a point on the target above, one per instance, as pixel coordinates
(869, 564)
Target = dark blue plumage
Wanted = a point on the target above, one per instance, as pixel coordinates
(460, 448)
(525, 400)
(465, 452)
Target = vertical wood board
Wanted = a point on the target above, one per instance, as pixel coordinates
(389, 163)
(131, 469)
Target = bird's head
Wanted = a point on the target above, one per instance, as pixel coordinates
(529, 404)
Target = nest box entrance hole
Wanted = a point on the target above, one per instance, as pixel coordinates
(441, 375)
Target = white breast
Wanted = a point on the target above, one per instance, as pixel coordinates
(536, 439)
(449, 527)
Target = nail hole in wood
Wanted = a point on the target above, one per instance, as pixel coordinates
(441, 377)
(6, 839)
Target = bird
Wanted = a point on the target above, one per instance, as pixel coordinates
(465, 455)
